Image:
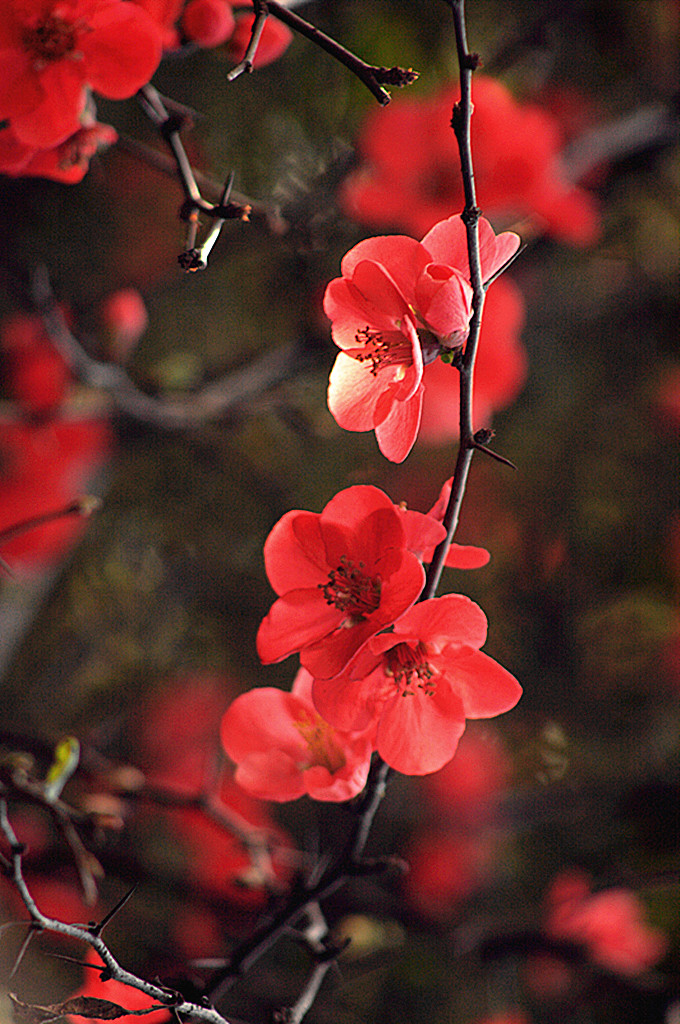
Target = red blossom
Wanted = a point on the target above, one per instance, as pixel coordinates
(284, 749)
(443, 869)
(609, 923)
(342, 575)
(53, 51)
(208, 22)
(397, 305)
(420, 682)
(37, 376)
(411, 177)
(124, 317)
(469, 786)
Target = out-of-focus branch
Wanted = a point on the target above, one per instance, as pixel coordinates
(214, 400)
(91, 935)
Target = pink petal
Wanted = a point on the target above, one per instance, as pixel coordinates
(297, 619)
(418, 734)
(401, 256)
(397, 434)
(353, 392)
(485, 687)
(294, 552)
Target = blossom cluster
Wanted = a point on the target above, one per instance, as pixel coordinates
(381, 670)
(56, 54)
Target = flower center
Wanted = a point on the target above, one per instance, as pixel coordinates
(350, 589)
(322, 746)
(409, 668)
(50, 39)
(381, 351)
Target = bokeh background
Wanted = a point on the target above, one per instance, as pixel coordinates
(140, 635)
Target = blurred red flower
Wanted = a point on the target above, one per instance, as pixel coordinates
(468, 787)
(208, 22)
(397, 305)
(44, 467)
(284, 749)
(68, 162)
(411, 175)
(51, 51)
(36, 373)
(342, 575)
(420, 682)
(608, 923)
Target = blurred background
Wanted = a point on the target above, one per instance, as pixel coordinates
(134, 629)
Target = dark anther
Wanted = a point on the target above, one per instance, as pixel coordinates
(472, 61)
(483, 436)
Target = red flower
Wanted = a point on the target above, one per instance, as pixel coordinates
(500, 369)
(420, 682)
(469, 786)
(412, 175)
(398, 303)
(283, 748)
(116, 992)
(208, 22)
(37, 376)
(342, 575)
(51, 51)
(124, 317)
(68, 162)
(608, 923)
(443, 870)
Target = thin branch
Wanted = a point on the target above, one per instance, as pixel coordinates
(246, 65)
(348, 865)
(214, 400)
(460, 122)
(166, 997)
(374, 78)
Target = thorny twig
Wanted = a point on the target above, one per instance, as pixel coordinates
(374, 78)
(182, 1007)
(460, 122)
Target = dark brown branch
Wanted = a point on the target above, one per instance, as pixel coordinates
(374, 78)
(460, 122)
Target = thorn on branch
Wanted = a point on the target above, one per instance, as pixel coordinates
(481, 440)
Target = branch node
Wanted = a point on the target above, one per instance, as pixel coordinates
(396, 76)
